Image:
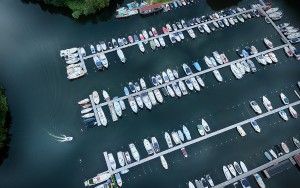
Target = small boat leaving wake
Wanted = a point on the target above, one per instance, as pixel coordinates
(62, 138)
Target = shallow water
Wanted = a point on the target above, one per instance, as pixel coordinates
(42, 100)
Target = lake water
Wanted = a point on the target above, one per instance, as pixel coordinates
(43, 101)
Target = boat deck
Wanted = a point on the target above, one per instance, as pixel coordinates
(199, 139)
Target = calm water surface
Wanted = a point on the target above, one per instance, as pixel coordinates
(42, 100)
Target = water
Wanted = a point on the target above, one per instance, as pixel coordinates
(42, 100)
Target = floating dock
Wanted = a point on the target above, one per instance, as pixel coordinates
(199, 139)
(280, 160)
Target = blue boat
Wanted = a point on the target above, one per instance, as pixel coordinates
(245, 53)
(98, 63)
(197, 66)
(126, 91)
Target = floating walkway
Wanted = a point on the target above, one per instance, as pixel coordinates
(191, 142)
(258, 169)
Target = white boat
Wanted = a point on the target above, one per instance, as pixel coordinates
(118, 179)
(227, 173)
(272, 152)
(267, 59)
(170, 75)
(208, 62)
(133, 104)
(102, 116)
(206, 28)
(218, 75)
(155, 144)
(241, 68)
(187, 69)
(200, 81)
(296, 142)
(139, 101)
(175, 138)
(181, 136)
(112, 161)
(156, 42)
(164, 162)
(182, 87)
(191, 185)
(213, 61)
(145, 34)
(293, 35)
(186, 132)
(117, 106)
(284, 99)
(205, 125)
(184, 153)
(162, 41)
(272, 10)
(231, 169)
(97, 179)
(170, 91)
(168, 140)
(285, 147)
(236, 72)
(246, 66)
(253, 50)
(255, 126)
(84, 101)
(241, 131)
(237, 168)
(152, 98)
(148, 147)
(103, 60)
(121, 55)
(261, 59)
(201, 130)
(267, 103)
(191, 33)
(293, 112)
(243, 166)
(141, 47)
(255, 107)
(165, 77)
(146, 100)
(175, 73)
(195, 83)
(288, 51)
(86, 110)
(273, 57)
(134, 152)
(176, 89)
(158, 95)
(268, 43)
(209, 180)
(121, 158)
(268, 156)
(217, 57)
(259, 180)
(88, 115)
(103, 45)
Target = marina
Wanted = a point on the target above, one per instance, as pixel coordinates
(197, 140)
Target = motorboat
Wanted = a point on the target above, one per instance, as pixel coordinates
(92, 48)
(156, 42)
(259, 180)
(152, 45)
(197, 66)
(131, 101)
(159, 79)
(236, 72)
(227, 173)
(268, 43)
(191, 33)
(182, 87)
(217, 57)
(201, 129)
(152, 98)
(296, 142)
(208, 62)
(209, 180)
(187, 69)
(114, 43)
(218, 75)
(184, 153)
(98, 179)
(241, 68)
(243, 166)
(127, 157)
(86, 110)
(224, 58)
(117, 106)
(88, 115)
(268, 59)
(206, 28)
(293, 112)
(191, 185)
(189, 84)
(285, 147)
(145, 34)
(273, 57)
(255, 107)
(213, 61)
(170, 91)
(205, 125)
(165, 77)
(112, 161)
(204, 183)
(84, 101)
(198, 184)
(103, 119)
(245, 183)
(232, 169)
(267, 103)
(175, 138)
(260, 59)
(195, 83)
(175, 73)
(246, 66)
(272, 152)
(148, 147)
(158, 95)
(253, 50)
(284, 99)
(118, 179)
(255, 126)
(237, 167)
(103, 60)
(200, 28)
(168, 140)
(121, 158)
(146, 100)
(252, 66)
(186, 132)
(176, 89)
(162, 41)
(272, 10)
(170, 75)
(200, 81)
(141, 47)
(241, 131)
(181, 136)
(288, 51)
(164, 162)
(268, 156)
(155, 144)
(278, 150)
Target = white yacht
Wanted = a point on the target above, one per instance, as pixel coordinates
(165, 77)
(246, 66)
(243, 166)
(205, 125)
(236, 71)
(155, 144)
(255, 107)
(127, 157)
(241, 68)
(285, 147)
(267, 59)
(201, 130)
(121, 158)
(86, 110)
(112, 161)
(261, 60)
(272, 152)
(170, 75)
(267, 103)
(195, 83)
(88, 115)
(148, 147)
(98, 179)
(182, 87)
(208, 62)
(102, 116)
(241, 131)
(186, 132)
(134, 152)
(187, 69)
(170, 91)
(158, 95)
(227, 173)
(218, 75)
(164, 162)
(268, 43)
(175, 138)
(189, 84)
(200, 81)
(217, 57)
(162, 41)
(84, 101)
(181, 136)
(103, 60)
(168, 140)
(273, 57)
(191, 33)
(206, 28)
(152, 98)
(118, 179)
(293, 112)
(296, 142)
(96, 97)
(255, 126)
(213, 61)
(146, 100)
(141, 47)
(117, 106)
(231, 169)
(176, 89)
(284, 99)
(283, 115)
(259, 180)
(191, 185)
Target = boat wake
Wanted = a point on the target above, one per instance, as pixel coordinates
(62, 138)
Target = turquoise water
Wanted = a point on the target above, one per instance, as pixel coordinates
(42, 100)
